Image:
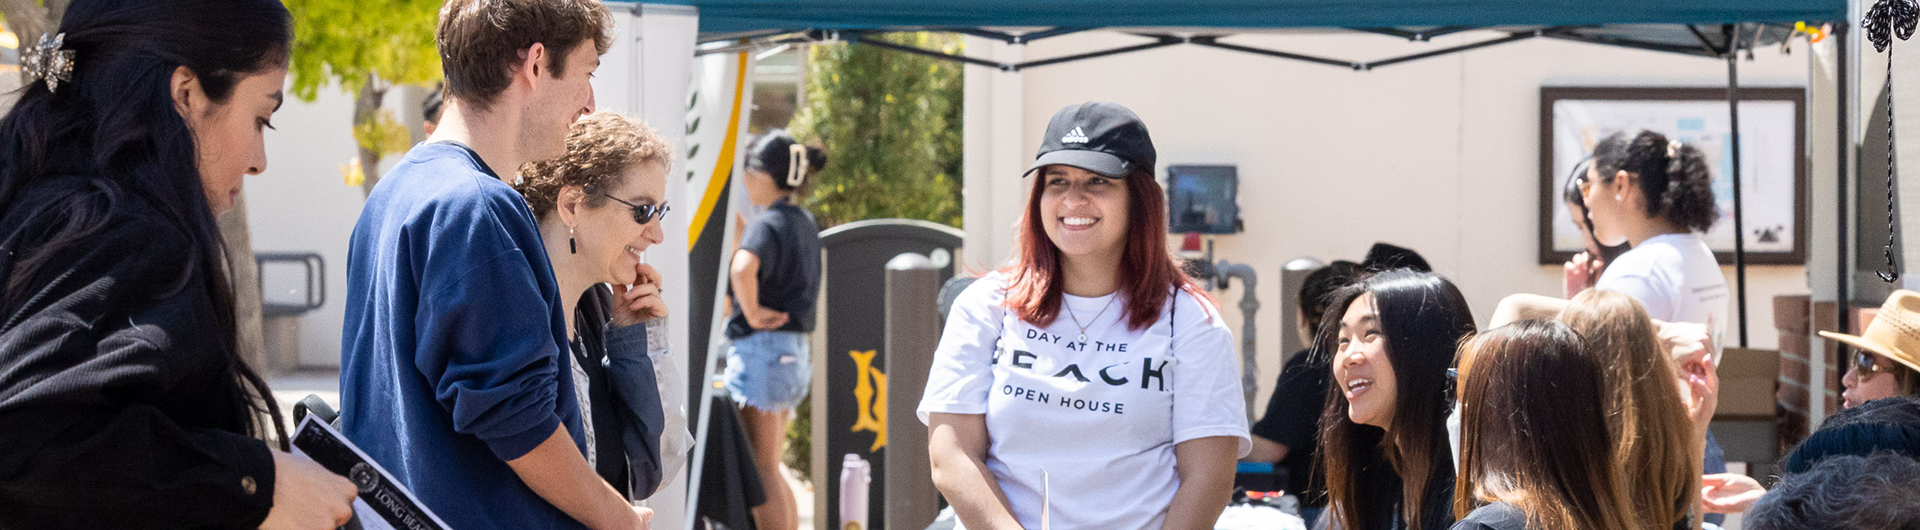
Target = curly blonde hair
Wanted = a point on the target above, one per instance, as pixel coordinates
(600, 148)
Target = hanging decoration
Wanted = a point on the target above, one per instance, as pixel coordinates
(1886, 20)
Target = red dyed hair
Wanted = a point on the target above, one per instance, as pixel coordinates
(1147, 269)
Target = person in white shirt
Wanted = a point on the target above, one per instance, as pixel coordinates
(1656, 195)
(1090, 383)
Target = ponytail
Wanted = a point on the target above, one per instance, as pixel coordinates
(1673, 177)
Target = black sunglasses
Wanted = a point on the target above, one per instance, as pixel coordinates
(1867, 363)
(643, 213)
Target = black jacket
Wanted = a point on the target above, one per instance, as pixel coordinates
(117, 409)
(623, 397)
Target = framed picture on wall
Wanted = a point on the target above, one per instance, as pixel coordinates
(1772, 162)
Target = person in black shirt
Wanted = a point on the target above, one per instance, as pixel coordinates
(1383, 433)
(776, 280)
(1286, 433)
(124, 399)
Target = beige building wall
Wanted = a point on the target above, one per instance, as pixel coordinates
(1439, 155)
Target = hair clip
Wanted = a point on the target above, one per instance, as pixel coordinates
(1673, 148)
(45, 61)
(796, 165)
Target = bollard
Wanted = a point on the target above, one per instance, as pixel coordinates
(913, 331)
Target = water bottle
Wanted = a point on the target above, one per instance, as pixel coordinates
(855, 474)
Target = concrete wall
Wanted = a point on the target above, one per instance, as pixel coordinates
(302, 204)
(1440, 155)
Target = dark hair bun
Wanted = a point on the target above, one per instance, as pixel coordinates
(1673, 176)
(1688, 200)
(773, 154)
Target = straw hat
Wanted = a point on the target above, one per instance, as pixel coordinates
(1894, 333)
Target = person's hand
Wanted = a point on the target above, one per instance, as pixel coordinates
(646, 516)
(765, 319)
(1686, 341)
(641, 301)
(1690, 346)
(307, 496)
(1579, 274)
(1729, 492)
(1700, 391)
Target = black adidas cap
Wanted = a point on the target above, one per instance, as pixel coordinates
(1097, 136)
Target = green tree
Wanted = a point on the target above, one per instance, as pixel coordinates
(368, 48)
(890, 123)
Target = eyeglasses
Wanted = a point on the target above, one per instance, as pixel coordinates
(643, 213)
(1867, 363)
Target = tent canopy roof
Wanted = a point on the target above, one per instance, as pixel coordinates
(728, 16)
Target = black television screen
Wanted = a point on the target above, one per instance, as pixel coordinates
(1203, 199)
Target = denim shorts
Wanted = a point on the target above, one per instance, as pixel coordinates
(769, 370)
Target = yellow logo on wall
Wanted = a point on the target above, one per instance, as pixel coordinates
(871, 394)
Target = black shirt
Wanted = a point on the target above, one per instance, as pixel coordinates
(118, 405)
(787, 241)
(1293, 419)
(625, 415)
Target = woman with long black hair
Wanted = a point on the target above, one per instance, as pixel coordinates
(1586, 266)
(1383, 434)
(123, 398)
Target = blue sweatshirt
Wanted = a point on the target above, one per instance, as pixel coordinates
(454, 358)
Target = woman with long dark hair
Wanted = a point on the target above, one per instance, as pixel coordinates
(123, 397)
(1089, 383)
(1536, 451)
(1384, 439)
(1586, 267)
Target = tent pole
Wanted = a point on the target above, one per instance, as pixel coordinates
(1844, 271)
(1739, 227)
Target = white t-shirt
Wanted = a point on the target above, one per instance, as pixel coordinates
(1100, 418)
(1676, 277)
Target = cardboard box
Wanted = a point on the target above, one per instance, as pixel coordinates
(1748, 380)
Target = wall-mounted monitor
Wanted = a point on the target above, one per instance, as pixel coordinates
(1203, 199)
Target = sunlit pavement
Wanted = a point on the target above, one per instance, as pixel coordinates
(290, 388)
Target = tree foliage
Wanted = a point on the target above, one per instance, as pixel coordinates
(890, 123)
(344, 42)
(366, 48)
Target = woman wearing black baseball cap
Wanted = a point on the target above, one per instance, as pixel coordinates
(1089, 383)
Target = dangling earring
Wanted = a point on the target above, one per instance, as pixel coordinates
(572, 248)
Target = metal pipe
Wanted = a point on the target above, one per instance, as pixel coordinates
(1162, 41)
(1739, 226)
(1249, 306)
(1843, 271)
(1214, 42)
(1456, 49)
(877, 43)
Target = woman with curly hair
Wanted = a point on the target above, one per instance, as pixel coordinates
(599, 208)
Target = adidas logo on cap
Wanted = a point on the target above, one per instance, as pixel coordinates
(1074, 137)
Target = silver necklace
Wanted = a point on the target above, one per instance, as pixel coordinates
(1096, 317)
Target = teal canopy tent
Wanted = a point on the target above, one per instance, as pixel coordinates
(729, 16)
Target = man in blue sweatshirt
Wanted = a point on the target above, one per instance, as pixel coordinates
(454, 371)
